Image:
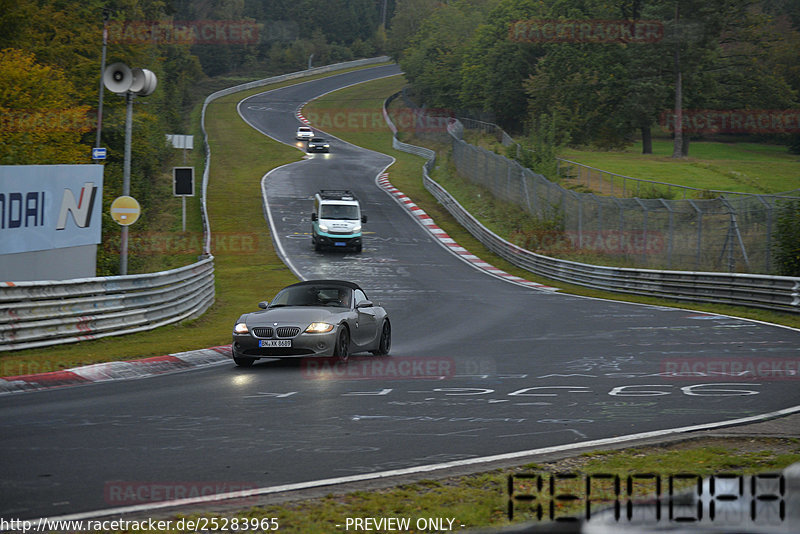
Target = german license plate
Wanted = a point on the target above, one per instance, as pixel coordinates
(275, 343)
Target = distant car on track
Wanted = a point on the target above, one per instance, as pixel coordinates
(318, 144)
(313, 318)
(304, 133)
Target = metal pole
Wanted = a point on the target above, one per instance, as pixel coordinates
(126, 180)
(183, 197)
(102, 86)
(699, 213)
(126, 169)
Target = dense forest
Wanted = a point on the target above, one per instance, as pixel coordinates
(524, 62)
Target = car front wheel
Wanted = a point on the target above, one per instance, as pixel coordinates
(342, 349)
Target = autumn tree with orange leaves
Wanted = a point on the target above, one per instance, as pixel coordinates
(41, 120)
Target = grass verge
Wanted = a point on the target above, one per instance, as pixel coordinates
(481, 500)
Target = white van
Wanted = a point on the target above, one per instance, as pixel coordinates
(336, 221)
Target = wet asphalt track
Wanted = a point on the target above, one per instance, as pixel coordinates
(479, 367)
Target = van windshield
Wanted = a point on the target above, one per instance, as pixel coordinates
(339, 211)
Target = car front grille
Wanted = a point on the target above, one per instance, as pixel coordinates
(281, 331)
(262, 331)
(288, 331)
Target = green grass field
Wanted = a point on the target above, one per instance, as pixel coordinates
(740, 167)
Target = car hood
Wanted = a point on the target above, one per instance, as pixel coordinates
(295, 315)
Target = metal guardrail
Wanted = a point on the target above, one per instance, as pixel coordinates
(46, 313)
(781, 293)
(39, 314)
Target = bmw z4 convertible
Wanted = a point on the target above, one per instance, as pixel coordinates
(330, 318)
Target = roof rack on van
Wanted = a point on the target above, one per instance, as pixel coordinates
(336, 194)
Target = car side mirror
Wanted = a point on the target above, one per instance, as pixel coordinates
(363, 218)
(313, 216)
(365, 304)
(263, 304)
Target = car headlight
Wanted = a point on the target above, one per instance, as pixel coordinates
(240, 328)
(356, 229)
(323, 227)
(319, 328)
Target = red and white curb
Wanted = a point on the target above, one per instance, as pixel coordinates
(301, 118)
(449, 242)
(117, 370)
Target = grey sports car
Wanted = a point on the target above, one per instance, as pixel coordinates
(313, 318)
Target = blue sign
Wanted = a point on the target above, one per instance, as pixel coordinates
(98, 153)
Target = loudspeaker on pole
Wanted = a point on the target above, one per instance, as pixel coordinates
(118, 78)
(144, 82)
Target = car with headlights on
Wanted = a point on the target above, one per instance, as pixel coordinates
(315, 318)
(318, 144)
(304, 133)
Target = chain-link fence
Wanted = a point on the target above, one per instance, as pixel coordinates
(733, 232)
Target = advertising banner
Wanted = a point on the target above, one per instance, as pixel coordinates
(44, 207)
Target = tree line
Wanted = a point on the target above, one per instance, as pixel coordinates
(608, 72)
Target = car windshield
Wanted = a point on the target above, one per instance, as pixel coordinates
(339, 211)
(314, 295)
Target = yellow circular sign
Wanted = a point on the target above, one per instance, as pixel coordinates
(125, 210)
